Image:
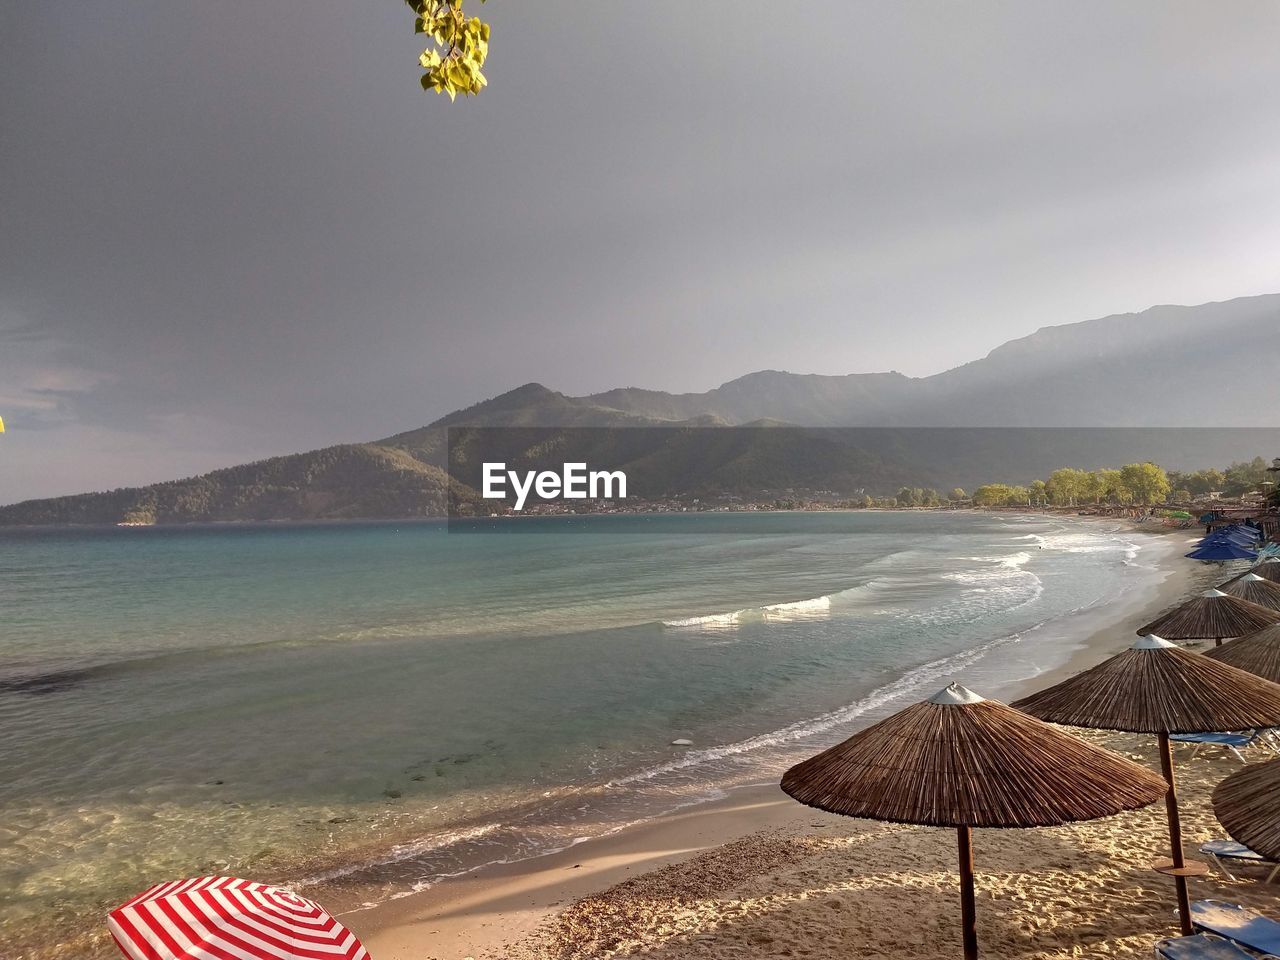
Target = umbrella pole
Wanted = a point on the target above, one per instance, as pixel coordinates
(1175, 835)
(968, 913)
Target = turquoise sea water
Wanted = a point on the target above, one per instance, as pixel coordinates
(369, 708)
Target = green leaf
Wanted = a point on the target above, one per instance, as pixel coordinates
(461, 47)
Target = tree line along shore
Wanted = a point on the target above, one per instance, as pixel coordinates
(1135, 484)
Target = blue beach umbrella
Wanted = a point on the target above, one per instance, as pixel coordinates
(1234, 541)
(1219, 541)
(1240, 531)
(1230, 537)
(1221, 550)
(1235, 532)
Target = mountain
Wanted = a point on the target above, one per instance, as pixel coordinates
(858, 399)
(531, 406)
(1029, 406)
(343, 482)
(1205, 366)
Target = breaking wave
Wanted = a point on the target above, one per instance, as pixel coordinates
(815, 608)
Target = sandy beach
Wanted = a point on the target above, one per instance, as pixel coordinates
(758, 875)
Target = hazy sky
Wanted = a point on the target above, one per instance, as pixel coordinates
(239, 228)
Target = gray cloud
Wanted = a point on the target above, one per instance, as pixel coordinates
(239, 228)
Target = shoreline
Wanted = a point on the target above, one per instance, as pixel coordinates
(1045, 511)
(485, 914)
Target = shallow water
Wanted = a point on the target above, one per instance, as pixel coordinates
(377, 706)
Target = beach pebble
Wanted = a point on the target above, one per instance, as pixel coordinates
(682, 743)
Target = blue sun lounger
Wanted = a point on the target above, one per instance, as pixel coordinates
(1226, 851)
(1235, 742)
(1241, 926)
(1199, 947)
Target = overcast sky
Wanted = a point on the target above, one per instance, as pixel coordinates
(238, 228)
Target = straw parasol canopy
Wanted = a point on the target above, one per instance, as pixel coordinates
(1248, 805)
(1157, 687)
(1268, 569)
(1258, 653)
(1211, 616)
(1254, 589)
(959, 760)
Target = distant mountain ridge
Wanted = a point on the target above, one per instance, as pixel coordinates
(346, 482)
(1205, 366)
(1168, 366)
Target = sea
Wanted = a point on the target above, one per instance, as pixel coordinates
(364, 710)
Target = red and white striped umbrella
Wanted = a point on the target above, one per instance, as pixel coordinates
(222, 918)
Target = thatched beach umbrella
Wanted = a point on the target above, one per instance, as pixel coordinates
(1253, 588)
(1258, 653)
(1268, 569)
(1211, 616)
(958, 760)
(1248, 805)
(1157, 687)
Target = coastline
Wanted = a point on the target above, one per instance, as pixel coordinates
(501, 909)
(664, 511)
